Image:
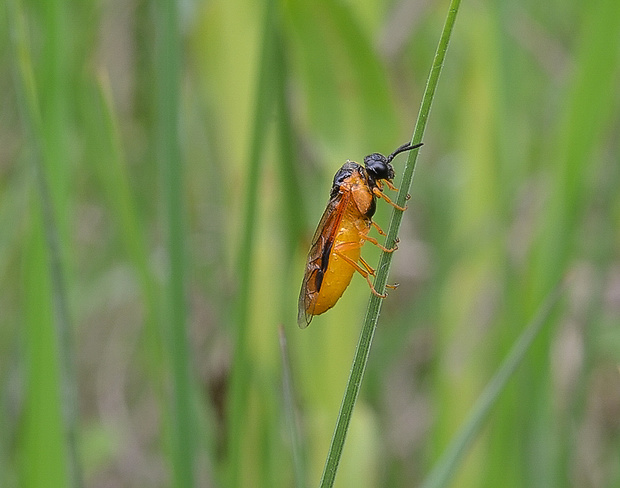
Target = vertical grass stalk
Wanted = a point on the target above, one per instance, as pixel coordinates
(167, 65)
(449, 461)
(240, 380)
(363, 347)
(290, 412)
(28, 102)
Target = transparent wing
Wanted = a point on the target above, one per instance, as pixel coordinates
(318, 257)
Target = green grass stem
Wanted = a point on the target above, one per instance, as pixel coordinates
(443, 471)
(167, 65)
(112, 172)
(28, 102)
(240, 380)
(370, 322)
(290, 412)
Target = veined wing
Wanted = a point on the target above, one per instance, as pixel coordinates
(318, 257)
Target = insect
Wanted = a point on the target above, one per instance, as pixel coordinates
(335, 253)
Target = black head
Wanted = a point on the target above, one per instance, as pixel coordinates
(379, 167)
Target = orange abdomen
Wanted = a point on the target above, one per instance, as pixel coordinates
(339, 272)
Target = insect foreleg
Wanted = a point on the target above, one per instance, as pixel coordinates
(382, 195)
(390, 185)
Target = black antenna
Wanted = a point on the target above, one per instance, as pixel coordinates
(405, 147)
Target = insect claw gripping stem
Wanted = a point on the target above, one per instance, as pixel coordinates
(375, 292)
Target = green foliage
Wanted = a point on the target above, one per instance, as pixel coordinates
(162, 168)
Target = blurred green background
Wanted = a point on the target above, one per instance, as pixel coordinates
(180, 156)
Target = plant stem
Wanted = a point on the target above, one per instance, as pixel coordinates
(370, 322)
(291, 413)
(167, 65)
(42, 158)
(451, 457)
(241, 368)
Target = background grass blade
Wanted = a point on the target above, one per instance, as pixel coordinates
(55, 356)
(444, 470)
(168, 66)
(291, 413)
(241, 378)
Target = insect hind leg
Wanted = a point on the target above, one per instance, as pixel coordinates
(366, 273)
(369, 268)
(372, 272)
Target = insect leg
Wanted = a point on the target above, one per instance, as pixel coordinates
(382, 195)
(367, 266)
(361, 271)
(372, 272)
(381, 232)
(390, 185)
(393, 188)
(379, 229)
(376, 243)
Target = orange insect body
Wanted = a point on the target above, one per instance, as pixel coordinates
(342, 231)
(348, 243)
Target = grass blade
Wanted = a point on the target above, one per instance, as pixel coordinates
(290, 412)
(168, 49)
(452, 456)
(363, 347)
(241, 373)
(32, 120)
